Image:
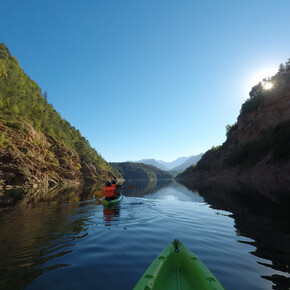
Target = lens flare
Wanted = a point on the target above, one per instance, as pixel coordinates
(260, 76)
(268, 85)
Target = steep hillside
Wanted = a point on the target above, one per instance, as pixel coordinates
(130, 170)
(37, 146)
(258, 145)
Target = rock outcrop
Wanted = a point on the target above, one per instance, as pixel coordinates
(29, 158)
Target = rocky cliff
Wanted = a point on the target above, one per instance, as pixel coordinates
(29, 158)
(258, 145)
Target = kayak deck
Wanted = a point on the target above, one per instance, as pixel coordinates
(177, 268)
(111, 202)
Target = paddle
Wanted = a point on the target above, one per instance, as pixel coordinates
(128, 187)
(100, 194)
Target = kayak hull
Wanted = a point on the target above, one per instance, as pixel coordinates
(177, 270)
(111, 202)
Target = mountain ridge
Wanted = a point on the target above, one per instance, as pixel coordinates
(178, 164)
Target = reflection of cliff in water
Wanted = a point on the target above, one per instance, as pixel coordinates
(33, 236)
(24, 197)
(144, 187)
(262, 214)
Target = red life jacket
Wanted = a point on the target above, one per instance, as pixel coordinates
(114, 185)
(109, 191)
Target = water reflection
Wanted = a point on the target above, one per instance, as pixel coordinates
(162, 189)
(110, 215)
(143, 187)
(240, 231)
(24, 197)
(261, 212)
(33, 237)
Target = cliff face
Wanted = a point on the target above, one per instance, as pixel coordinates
(258, 145)
(275, 110)
(29, 158)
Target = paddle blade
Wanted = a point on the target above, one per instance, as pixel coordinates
(127, 187)
(99, 193)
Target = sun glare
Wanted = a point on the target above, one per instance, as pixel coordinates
(258, 77)
(268, 85)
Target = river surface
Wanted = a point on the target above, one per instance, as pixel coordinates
(68, 240)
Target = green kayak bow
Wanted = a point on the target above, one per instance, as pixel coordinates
(177, 268)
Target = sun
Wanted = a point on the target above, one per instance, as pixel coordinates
(259, 76)
(268, 85)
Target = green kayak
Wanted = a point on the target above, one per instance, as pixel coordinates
(177, 268)
(111, 202)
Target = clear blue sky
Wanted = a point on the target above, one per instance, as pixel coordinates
(148, 78)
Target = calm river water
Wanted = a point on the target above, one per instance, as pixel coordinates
(68, 240)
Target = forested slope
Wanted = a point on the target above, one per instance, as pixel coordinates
(132, 170)
(36, 143)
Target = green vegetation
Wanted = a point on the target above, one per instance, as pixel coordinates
(257, 97)
(5, 141)
(21, 100)
(2, 139)
(130, 170)
(18, 126)
(208, 156)
(258, 94)
(230, 129)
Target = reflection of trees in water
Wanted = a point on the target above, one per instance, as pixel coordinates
(262, 214)
(44, 230)
(24, 197)
(144, 187)
(33, 236)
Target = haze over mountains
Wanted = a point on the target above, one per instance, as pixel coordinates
(179, 164)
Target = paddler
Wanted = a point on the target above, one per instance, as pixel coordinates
(110, 191)
(117, 187)
(114, 183)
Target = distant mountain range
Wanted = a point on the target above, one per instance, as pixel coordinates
(132, 170)
(188, 162)
(179, 164)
